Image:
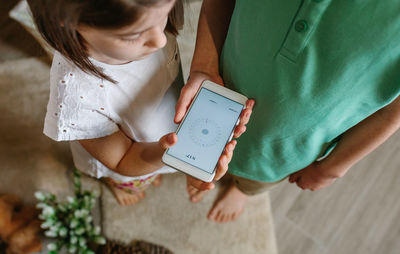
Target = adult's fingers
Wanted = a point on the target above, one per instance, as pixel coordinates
(293, 177)
(239, 130)
(223, 162)
(244, 118)
(222, 167)
(299, 183)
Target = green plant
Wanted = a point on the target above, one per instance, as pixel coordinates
(70, 221)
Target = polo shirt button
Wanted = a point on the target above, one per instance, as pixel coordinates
(301, 26)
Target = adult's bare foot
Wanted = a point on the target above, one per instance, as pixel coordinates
(124, 198)
(195, 195)
(230, 206)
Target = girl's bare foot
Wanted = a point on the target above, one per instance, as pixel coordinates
(124, 198)
(157, 182)
(230, 206)
(195, 195)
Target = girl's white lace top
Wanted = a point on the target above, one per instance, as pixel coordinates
(141, 104)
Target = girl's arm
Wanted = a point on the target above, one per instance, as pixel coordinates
(126, 157)
(355, 144)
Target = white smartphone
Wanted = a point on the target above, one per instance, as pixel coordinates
(205, 130)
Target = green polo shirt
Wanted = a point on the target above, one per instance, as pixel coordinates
(315, 68)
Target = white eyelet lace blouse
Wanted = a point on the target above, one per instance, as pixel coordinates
(141, 104)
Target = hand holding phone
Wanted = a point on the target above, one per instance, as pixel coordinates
(205, 130)
(187, 94)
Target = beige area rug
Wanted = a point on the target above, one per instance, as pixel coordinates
(30, 161)
(168, 218)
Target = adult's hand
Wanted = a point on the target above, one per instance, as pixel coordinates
(313, 177)
(189, 91)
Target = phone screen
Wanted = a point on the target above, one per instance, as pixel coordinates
(206, 130)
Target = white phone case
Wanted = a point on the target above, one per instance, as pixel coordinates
(190, 169)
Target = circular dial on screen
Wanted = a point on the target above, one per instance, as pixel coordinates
(205, 132)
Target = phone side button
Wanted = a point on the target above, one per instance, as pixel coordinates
(230, 138)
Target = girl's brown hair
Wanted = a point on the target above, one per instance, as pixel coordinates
(57, 22)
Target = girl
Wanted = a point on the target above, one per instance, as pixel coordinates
(114, 84)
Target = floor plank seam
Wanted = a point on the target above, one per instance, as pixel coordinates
(307, 234)
(361, 199)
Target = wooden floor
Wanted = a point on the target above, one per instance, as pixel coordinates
(359, 214)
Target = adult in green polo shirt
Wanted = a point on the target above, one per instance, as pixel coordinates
(326, 79)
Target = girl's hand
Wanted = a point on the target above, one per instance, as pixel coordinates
(167, 141)
(187, 94)
(313, 177)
